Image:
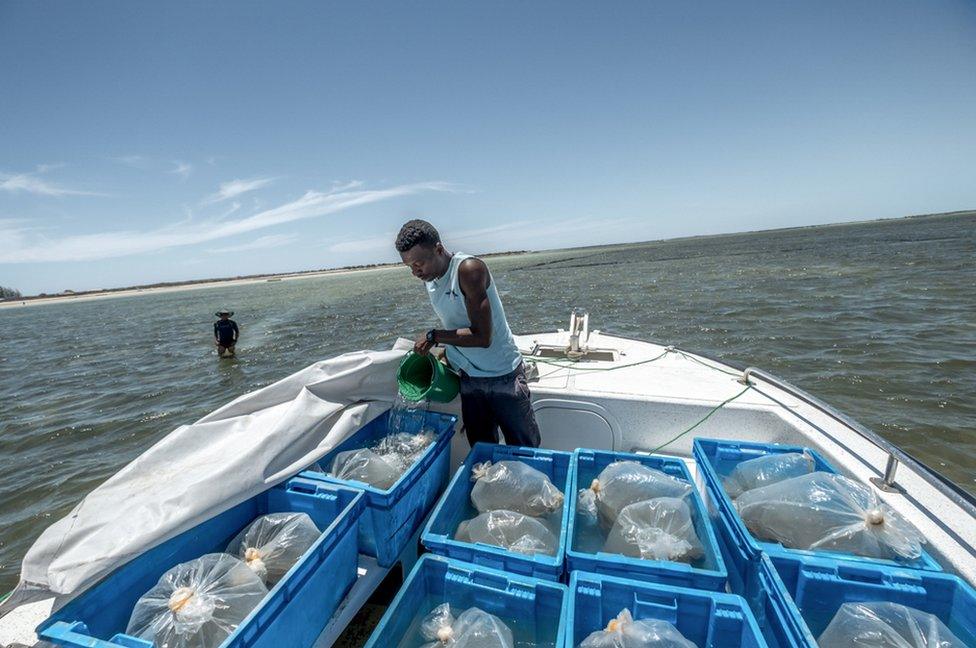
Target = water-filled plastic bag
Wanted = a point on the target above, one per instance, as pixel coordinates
(625, 482)
(385, 461)
(655, 529)
(365, 465)
(273, 543)
(624, 632)
(766, 470)
(509, 530)
(197, 604)
(473, 628)
(513, 486)
(829, 512)
(886, 625)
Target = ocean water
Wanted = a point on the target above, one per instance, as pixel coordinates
(876, 319)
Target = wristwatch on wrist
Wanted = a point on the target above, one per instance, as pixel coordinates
(430, 336)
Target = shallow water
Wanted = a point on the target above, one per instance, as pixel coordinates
(876, 319)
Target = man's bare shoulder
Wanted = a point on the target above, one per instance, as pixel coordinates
(473, 265)
(473, 274)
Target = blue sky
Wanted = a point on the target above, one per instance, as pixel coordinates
(144, 142)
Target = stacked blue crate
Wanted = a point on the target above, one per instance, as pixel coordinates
(455, 506)
(394, 514)
(708, 619)
(716, 459)
(533, 609)
(707, 573)
(292, 614)
(799, 595)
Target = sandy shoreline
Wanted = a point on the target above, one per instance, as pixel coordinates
(222, 283)
(129, 292)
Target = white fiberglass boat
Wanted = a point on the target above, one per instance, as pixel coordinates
(596, 390)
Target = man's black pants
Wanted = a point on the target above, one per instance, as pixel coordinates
(499, 402)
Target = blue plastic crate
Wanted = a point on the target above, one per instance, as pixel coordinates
(455, 506)
(716, 459)
(395, 514)
(803, 594)
(707, 573)
(292, 614)
(749, 580)
(708, 619)
(533, 609)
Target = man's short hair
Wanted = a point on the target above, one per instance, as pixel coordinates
(416, 232)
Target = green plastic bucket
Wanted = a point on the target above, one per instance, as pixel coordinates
(423, 376)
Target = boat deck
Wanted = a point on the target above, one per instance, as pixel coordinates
(645, 397)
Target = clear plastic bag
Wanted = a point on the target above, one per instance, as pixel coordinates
(272, 543)
(766, 470)
(829, 512)
(365, 465)
(513, 486)
(656, 529)
(509, 530)
(385, 461)
(886, 625)
(473, 628)
(197, 604)
(624, 632)
(623, 483)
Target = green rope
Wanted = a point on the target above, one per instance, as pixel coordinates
(694, 359)
(703, 419)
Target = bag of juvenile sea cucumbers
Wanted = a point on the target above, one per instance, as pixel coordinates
(766, 470)
(197, 604)
(473, 628)
(657, 529)
(273, 543)
(625, 482)
(509, 530)
(624, 632)
(513, 486)
(886, 625)
(830, 512)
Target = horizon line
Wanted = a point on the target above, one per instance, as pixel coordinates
(68, 294)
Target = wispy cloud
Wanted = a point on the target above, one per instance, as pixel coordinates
(260, 243)
(234, 188)
(31, 183)
(182, 169)
(25, 247)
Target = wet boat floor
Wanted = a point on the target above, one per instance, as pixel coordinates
(358, 631)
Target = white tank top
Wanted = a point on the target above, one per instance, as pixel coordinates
(498, 359)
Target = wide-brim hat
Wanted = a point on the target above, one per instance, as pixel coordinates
(229, 313)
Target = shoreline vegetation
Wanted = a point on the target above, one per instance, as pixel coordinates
(175, 286)
(193, 284)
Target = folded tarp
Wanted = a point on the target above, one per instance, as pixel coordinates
(202, 469)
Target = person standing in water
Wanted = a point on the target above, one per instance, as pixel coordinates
(225, 333)
(476, 336)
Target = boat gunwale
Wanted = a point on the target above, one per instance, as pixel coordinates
(946, 487)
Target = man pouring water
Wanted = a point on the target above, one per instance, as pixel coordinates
(476, 337)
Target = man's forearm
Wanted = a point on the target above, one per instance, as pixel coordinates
(463, 337)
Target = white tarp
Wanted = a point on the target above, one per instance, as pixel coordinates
(205, 468)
